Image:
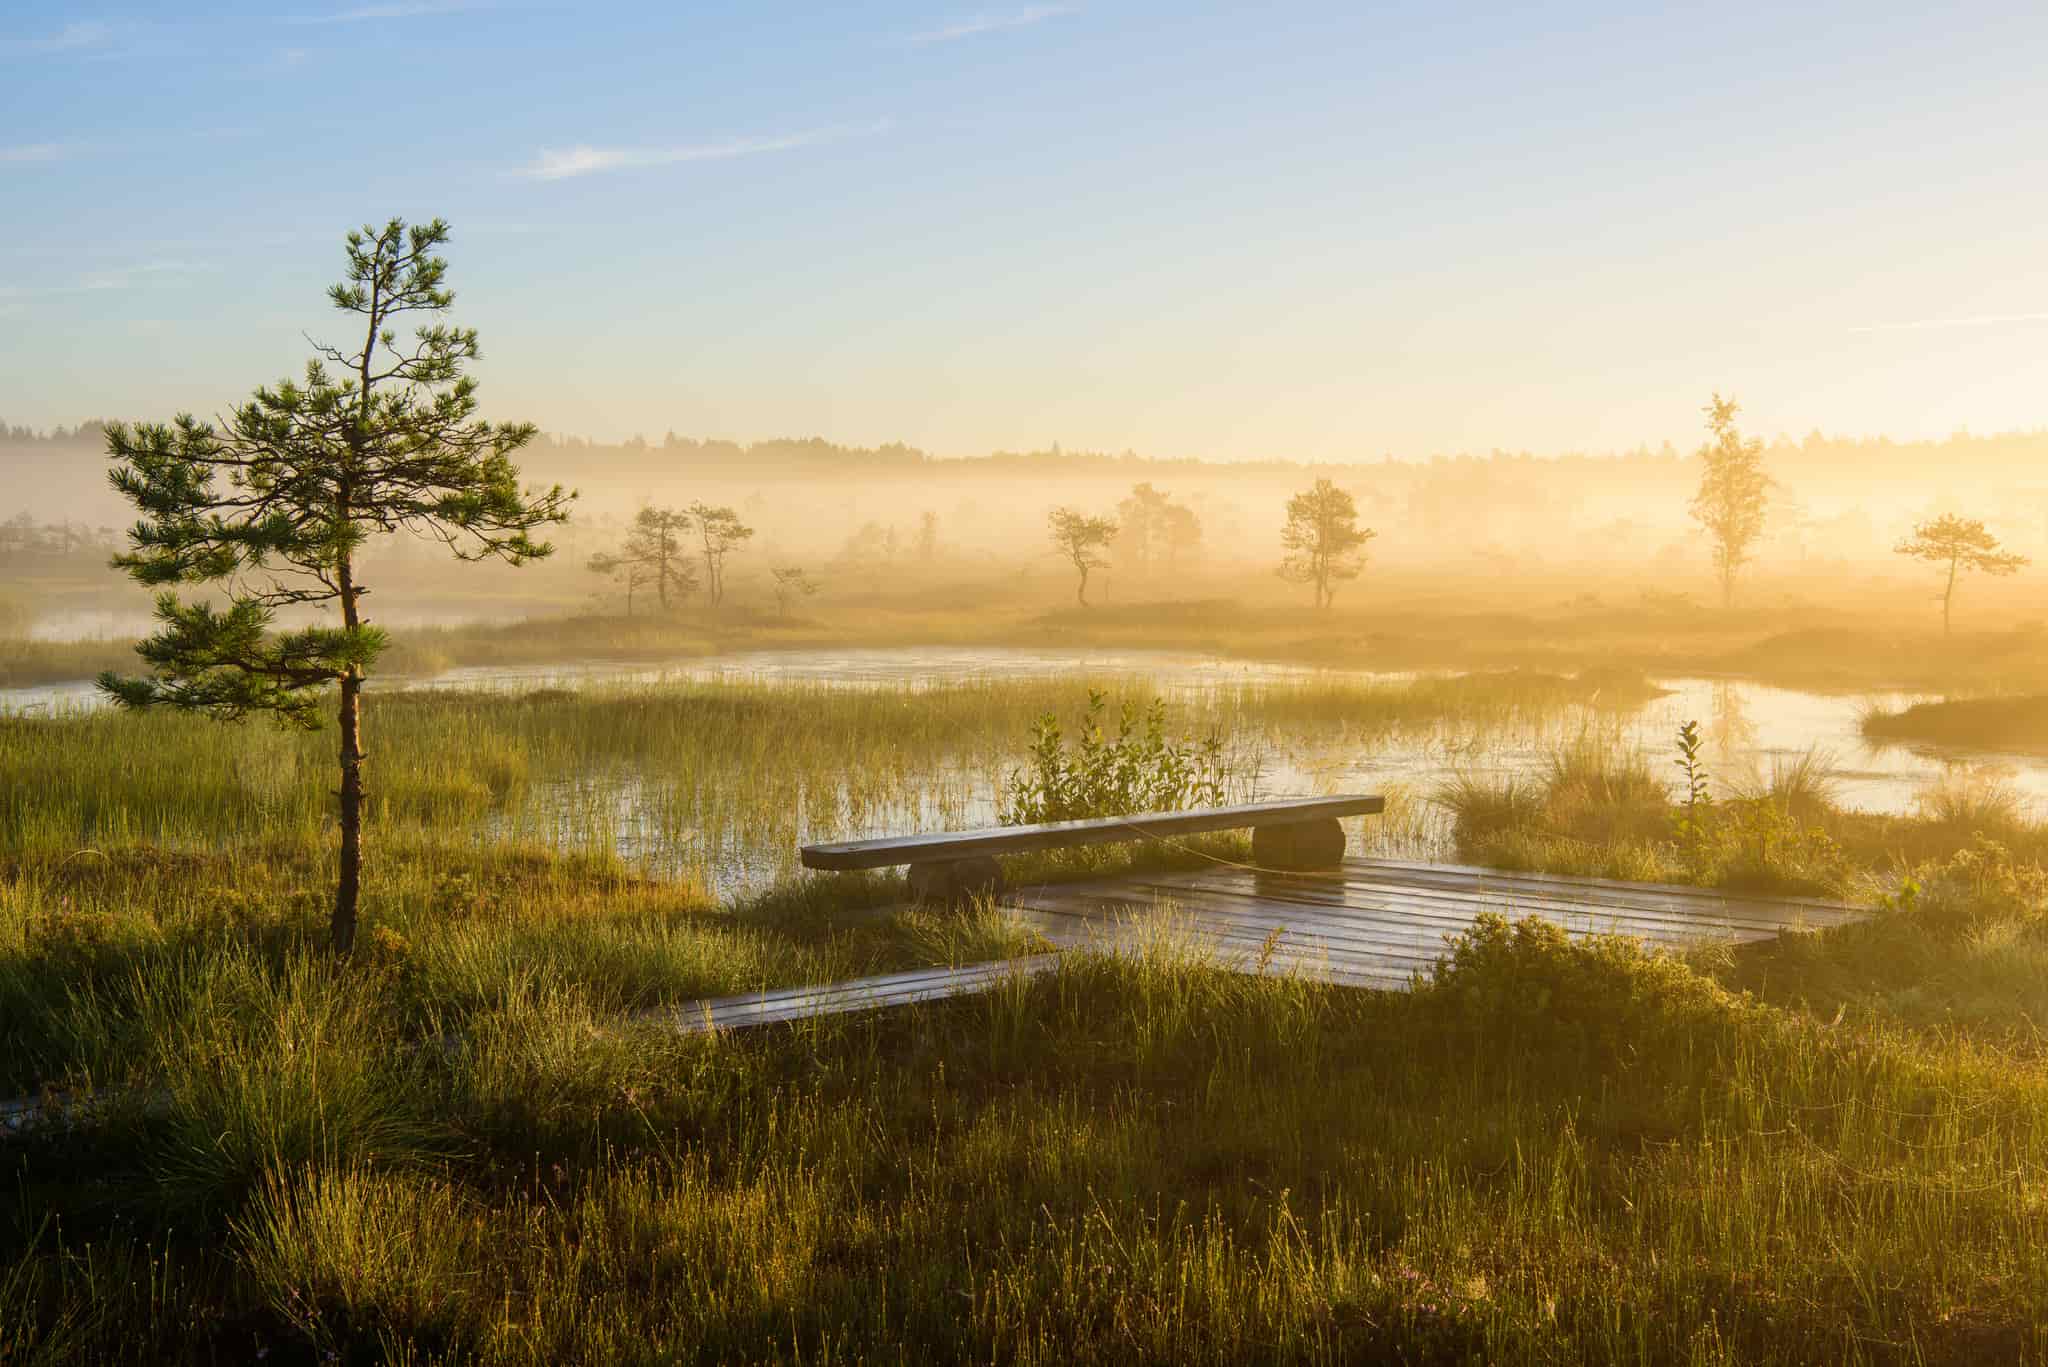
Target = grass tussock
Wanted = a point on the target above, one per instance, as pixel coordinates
(1600, 810)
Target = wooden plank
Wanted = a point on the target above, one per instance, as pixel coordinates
(1252, 936)
(1362, 872)
(1698, 901)
(1578, 881)
(858, 994)
(1390, 942)
(1240, 950)
(911, 849)
(1727, 911)
(1242, 955)
(1467, 904)
(1365, 875)
(1369, 925)
(1252, 927)
(1380, 923)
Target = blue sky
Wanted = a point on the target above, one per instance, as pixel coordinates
(1289, 230)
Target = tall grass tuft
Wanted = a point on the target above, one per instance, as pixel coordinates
(1605, 791)
(1803, 785)
(1973, 798)
(343, 1253)
(236, 1067)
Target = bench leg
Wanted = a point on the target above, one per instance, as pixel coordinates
(954, 882)
(1299, 845)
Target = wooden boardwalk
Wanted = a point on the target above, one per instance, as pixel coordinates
(855, 994)
(1370, 923)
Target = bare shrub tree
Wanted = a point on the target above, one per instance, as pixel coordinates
(719, 531)
(1081, 539)
(791, 583)
(1325, 545)
(652, 553)
(1733, 495)
(1961, 544)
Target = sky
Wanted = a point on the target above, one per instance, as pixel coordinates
(1319, 232)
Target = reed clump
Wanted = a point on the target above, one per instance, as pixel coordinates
(1599, 809)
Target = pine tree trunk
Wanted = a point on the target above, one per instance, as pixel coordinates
(342, 927)
(1081, 591)
(1948, 596)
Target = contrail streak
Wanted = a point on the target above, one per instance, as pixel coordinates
(1981, 320)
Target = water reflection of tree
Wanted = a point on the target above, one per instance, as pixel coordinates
(1732, 735)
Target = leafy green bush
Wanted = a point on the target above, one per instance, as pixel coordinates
(1141, 770)
(1530, 985)
(1759, 843)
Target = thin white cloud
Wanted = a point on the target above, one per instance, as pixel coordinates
(161, 270)
(990, 23)
(70, 38)
(1978, 321)
(30, 153)
(126, 277)
(583, 160)
(401, 9)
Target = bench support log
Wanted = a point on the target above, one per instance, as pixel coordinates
(1299, 845)
(954, 882)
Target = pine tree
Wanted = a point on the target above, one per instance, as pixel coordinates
(274, 507)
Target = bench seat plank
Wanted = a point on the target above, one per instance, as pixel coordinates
(941, 845)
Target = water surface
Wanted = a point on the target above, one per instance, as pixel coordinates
(1748, 727)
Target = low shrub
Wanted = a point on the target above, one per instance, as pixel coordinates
(1140, 770)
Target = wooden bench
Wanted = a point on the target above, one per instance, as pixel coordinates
(1296, 833)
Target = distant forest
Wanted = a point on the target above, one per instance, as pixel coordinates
(1994, 456)
(1848, 499)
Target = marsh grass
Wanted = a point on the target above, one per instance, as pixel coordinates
(1973, 798)
(719, 781)
(1802, 785)
(1600, 810)
(475, 1146)
(1556, 1150)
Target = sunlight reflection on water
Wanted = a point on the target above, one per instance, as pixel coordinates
(1748, 726)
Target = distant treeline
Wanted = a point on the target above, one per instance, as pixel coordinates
(2003, 454)
(22, 537)
(90, 432)
(816, 454)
